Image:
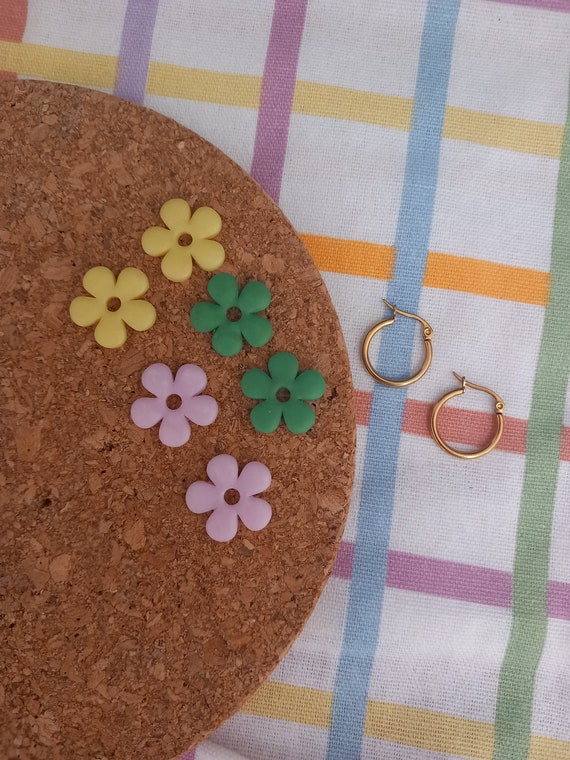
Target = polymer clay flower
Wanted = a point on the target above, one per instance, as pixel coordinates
(234, 315)
(113, 303)
(188, 237)
(176, 401)
(231, 496)
(284, 393)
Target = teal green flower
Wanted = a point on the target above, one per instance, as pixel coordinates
(284, 393)
(234, 315)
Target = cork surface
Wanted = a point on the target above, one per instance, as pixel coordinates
(125, 631)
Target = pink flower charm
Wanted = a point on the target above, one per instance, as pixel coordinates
(176, 401)
(230, 496)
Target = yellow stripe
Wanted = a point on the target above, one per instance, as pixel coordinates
(44, 62)
(544, 748)
(429, 730)
(410, 726)
(310, 98)
(485, 278)
(351, 256)
(352, 105)
(206, 86)
(296, 704)
(504, 132)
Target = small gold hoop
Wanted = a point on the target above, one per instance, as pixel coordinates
(428, 333)
(499, 410)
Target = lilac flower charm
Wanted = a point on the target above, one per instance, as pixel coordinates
(176, 401)
(230, 496)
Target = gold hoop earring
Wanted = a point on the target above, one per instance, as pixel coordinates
(499, 409)
(427, 332)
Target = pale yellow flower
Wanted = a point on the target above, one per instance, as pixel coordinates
(188, 237)
(113, 304)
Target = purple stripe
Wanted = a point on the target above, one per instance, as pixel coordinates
(453, 580)
(277, 92)
(545, 5)
(134, 55)
(190, 755)
(559, 600)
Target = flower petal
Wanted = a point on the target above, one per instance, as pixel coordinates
(201, 410)
(256, 330)
(140, 315)
(283, 367)
(223, 471)
(100, 282)
(174, 429)
(299, 417)
(223, 288)
(222, 524)
(131, 283)
(227, 340)
(208, 254)
(204, 223)
(85, 311)
(111, 331)
(175, 213)
(254, 513)
(157, 379)
(308, 386)
(190, 380)
(254, 297)
(146, 412)
(257, 384)
(177, 264)
(206, 316)
(202, 497)
(253, 479)
(266, 416)
(156, 241)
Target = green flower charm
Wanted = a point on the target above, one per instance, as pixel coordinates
(234, 315)
(284, 393)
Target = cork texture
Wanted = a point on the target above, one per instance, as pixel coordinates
(126, 631)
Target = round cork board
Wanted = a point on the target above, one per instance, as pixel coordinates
(125, 630)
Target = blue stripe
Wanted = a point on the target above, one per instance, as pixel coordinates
(381, 457)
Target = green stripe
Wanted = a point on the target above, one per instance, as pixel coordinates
(532, 553)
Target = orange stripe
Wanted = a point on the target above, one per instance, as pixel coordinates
(351, 256)
(485, 278)
(14, 14)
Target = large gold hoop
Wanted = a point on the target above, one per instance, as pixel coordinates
(499, 410)
(427, 332)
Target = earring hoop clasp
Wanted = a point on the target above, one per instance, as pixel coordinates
(427, 333)
(499, 411)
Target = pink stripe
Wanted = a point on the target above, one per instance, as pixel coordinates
(453, 580)
(546, 5)
(277, 93)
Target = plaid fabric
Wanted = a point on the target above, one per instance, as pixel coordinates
(422, 149)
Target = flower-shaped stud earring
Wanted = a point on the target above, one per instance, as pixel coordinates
(284, 393)
(176, 400)
(113, 303)
(188, 237)
(234, 315)
(231, 496)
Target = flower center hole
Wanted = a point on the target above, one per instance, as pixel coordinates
(185, 239)
(174, 402)
(233, 314)
(283, 394)
(113, 304)
(231, 497)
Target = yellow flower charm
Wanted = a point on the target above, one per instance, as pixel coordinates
(113, 304)
(188, 237)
